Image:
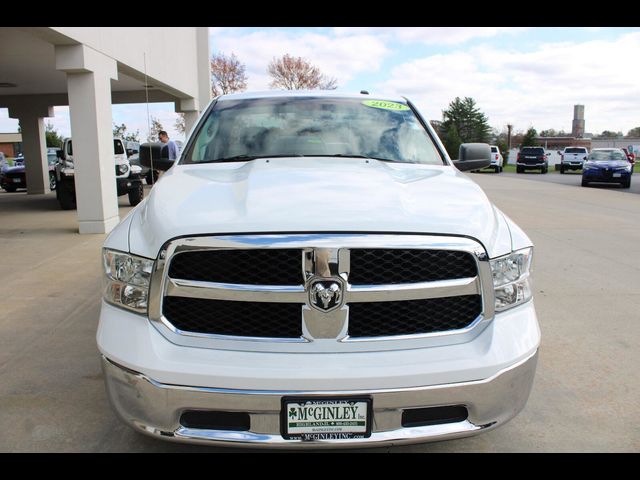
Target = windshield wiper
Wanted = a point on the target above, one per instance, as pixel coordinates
(344, 155)
(245, 158)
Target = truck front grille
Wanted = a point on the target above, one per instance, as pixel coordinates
(262, 287)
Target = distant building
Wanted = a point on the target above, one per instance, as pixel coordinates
(10, 144)
(558, 143)
(577, 126)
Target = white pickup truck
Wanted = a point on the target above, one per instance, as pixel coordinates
(314, 271)
(572, 158)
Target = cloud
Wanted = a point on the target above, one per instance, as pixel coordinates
(536, 88)
(429, 35)
(342, 58)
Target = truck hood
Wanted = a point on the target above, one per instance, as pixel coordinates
(314, 194)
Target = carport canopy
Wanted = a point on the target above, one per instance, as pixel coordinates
(89, 69)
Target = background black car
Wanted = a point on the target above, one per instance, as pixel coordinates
(14, 177)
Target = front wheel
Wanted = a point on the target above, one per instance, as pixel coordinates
(10, 188)
(519, 170)
(561, 168)
(584, 182)
(52, 181)
(136, 193)
(627, 183)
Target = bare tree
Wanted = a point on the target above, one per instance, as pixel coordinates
(180, 124)
(227, 75)
(156, 127)
(296, 73)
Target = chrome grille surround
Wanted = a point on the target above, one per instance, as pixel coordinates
(322, 256)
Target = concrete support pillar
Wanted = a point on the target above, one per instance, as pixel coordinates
(34, 144)
(89, 75)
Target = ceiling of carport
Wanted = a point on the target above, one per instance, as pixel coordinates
(29, 62)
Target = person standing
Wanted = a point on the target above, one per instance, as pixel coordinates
(173, 148)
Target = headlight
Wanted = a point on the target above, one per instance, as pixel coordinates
(511, 279)
(123, 168)
(127, 280)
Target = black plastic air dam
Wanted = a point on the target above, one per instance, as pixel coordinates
(421, 417)
(216, 420)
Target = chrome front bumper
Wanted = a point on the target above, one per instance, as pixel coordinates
(155, 409)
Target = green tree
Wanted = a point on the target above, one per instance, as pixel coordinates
(121, 132)
(463, 122)
(529, 139)
(452, 141)
(634, 132)
(609, 134)
(51, 134)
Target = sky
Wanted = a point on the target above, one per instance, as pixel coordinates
(524, 76)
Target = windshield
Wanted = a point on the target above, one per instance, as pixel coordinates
(603, 155)
(312, 126)
(533, 151)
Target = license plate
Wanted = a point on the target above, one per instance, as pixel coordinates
(617, 175)
(326, 418)
(531, 158)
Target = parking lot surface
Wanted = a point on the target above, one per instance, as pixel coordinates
(586, 289)
(574, 179)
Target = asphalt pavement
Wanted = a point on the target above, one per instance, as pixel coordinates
(586, 393)
(573, 179)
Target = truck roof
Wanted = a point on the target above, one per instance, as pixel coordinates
(309, 93)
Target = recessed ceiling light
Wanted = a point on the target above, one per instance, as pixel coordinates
(7, 85)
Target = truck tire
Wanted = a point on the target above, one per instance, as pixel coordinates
(52, 181)
(519, 170)
(10, 188)
(561, 168)
(136, 193)
(65, 197)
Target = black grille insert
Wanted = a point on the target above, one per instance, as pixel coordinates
(251, 267)
(240, 319)
(213, 420)
(420, 417)
(413, 317)
(394, 266)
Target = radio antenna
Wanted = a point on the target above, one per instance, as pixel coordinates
(146, 91)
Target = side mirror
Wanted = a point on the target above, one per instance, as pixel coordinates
(156, 153)
(473, 156)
